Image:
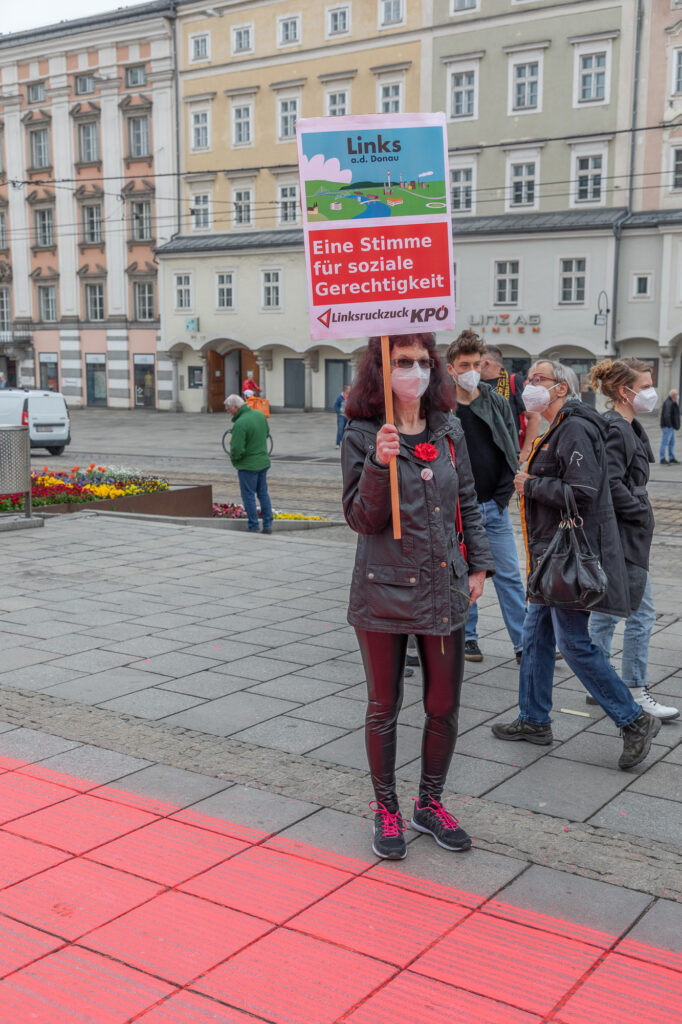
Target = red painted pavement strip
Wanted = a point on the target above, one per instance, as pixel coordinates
(502, 964)
(379, 920)
(176, 937)
(80, 824)
(265, 883)
(293, 979)
(75, 986)
(625, 991)
(167, 852)
(509, 962)
(412, 999)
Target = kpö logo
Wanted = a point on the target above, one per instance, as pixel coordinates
(325, 317)
(424, 314)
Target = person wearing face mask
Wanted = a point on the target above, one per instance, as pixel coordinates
(572, 452)
(670, 423)
(421, 584)
(510, 386)
(629, 390)
(490, 433)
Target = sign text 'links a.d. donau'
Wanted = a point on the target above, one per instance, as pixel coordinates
(506, 323)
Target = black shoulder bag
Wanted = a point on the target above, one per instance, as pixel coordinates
(568, 575)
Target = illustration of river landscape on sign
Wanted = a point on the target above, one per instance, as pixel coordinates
(369, 174)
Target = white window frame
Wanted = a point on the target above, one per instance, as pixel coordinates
(676, 83)
(473, 6)
(381, 10)
(39, 96)
(287, 97)
(3, 229)
(130, 84)
(282, 19)
(516, 157)
(183, 285)
(45, 231)
(390, 82)
(463, 164)
(81, 142)
(518, 59)
(194, 37)
(5, 308)
(462, 68)
(586, 151)
(196, 112)
(34, 148)
(233, 286)
(560, 274)
(675, 189)
(79, 80)
(47, 296)
(581, 50)
(281, 220)
(329, 12)
(334, 89)
(88, 295)
(238, 103)
(203, 202)
(91, 237)
(137, 290)
(147, 219)
(132, 155)
(648, 296)
(508, 276)
(263, 283)
(237, 189)
(247, 26)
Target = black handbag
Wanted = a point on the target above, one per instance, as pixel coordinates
(568, 575)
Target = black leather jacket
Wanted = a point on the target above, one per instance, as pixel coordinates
(573, 452)
(629, 453)
(418, 584)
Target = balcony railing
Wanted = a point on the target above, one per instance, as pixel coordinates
(12, 333)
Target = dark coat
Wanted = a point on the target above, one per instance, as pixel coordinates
(670, 414)
(418, 584)
(628, 454)
(573, 452)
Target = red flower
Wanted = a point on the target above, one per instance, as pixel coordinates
(426, 452)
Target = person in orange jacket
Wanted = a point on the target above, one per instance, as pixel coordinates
(249, 387)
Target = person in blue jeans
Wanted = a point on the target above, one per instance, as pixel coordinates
(670, 423)
(249, 456)
(492, 441)
(340, 410)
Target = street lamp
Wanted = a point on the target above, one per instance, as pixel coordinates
(601, 317)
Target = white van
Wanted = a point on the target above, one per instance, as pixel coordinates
(43, 412)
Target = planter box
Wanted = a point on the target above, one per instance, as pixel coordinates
(195, 502)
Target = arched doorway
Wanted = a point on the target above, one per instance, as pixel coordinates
(581, 361)
(227, 363)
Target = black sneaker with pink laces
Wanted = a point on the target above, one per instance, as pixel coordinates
(388, 833)
(432, 818)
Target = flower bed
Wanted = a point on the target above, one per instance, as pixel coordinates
(96, 483)
(232, 511)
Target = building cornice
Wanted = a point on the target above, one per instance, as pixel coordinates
(338, 76)
(594, 37)
(289, 83)
(457, 58)
(522, 47)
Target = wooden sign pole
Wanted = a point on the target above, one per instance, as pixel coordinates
(393, 465)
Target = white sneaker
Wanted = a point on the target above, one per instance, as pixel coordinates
(652, 707)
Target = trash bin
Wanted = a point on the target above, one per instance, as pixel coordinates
(15, 463)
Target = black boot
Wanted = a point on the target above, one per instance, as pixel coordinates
(520, 730)
(637, 739)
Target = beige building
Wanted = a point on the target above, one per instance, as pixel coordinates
(234, 294)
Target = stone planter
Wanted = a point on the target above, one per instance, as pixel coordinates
(194, 502)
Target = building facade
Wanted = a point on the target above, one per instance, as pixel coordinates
(86, 193)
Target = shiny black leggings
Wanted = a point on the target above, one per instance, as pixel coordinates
(442, 660)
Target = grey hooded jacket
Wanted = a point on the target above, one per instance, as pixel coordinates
(418, 584)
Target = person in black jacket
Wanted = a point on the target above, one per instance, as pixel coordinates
(670, 423)
(571, 453)
(629, 389)
(422, 584)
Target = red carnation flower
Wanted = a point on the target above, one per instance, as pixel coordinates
(426, 452)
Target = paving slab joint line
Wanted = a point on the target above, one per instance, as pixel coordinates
(576, 848)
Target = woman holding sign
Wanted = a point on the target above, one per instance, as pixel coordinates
(421, 584)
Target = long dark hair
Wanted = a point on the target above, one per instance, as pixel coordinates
(366, 400)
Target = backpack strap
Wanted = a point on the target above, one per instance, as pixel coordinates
(459, 526)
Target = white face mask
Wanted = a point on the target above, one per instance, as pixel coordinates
(536, 398)
(469, 381)
(409, 385)
(644, 401)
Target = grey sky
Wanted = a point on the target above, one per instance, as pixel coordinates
(15, 17)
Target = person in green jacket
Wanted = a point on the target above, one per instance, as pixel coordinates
(249, 456)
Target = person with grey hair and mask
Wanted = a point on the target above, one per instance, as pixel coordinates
(571, 454)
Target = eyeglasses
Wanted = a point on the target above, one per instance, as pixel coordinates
(406, 364)
(538, 378)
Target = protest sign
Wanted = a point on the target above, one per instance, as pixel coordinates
(377, 229)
